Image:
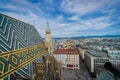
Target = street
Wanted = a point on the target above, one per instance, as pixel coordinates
(70, 74)
(81, 74)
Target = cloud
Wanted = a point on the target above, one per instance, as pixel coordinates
(98, 23)
(74, 18)
(49, 1)
(21, 7)
(83, 7)
(62, 24)
(79, 7)
(60, 17)
(63, 29)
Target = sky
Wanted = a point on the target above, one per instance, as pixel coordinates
(67, 18)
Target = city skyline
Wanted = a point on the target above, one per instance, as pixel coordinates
(67, 18)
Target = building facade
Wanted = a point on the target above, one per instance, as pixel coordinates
(68, 57)
(114, 53)
(95, 61)
(82, 53)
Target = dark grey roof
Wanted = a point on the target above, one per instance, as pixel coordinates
(106, 75)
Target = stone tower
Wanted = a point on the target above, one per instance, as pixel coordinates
(48, 40)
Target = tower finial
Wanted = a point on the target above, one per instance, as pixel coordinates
(47, 24)
(48, 31)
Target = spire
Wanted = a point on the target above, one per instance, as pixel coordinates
(48, 40)
(47, 24)
(48, 31)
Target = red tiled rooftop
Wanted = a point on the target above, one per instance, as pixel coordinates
(66, 51)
